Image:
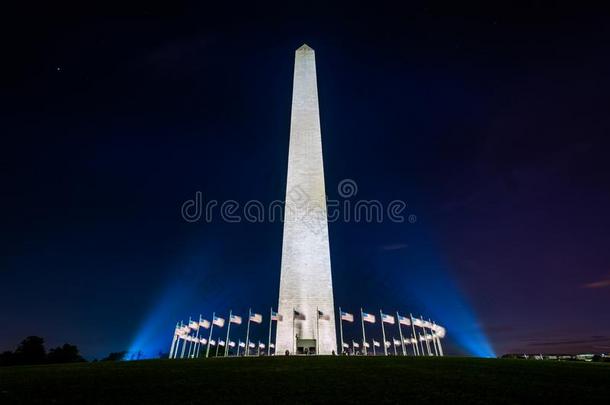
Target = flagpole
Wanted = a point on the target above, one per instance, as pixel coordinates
(374, 352)
(171, 350)
(440, 347)
(183, 347)
(174, 341)
(175, 349)
(317, 328)
(228, 330)
(425, 336)
(421, 344)
(363, 332)
(341, 329)
(191, 344)
(294, 339)
(178, 343)
(188, 353)
(428, 343)
(438, 340)
(198, 343)
(416, 348)
(175, 356)
(184, 344)
(434, 342)
(248, 333)
(207, 350)
(394, 344)
(191, 355)
(196, 348)
(238, 343)
(270, 323)
(402, 341)
(385, 348)
(433, 338)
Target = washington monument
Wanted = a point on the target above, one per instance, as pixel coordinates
(306, 290)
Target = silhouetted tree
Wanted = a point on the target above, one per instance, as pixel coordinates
(30, 351)
(64, 354)
(115, 356)
(7, 358)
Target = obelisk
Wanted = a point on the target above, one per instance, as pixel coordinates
(305, 281)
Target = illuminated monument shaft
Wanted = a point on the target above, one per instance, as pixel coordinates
(305, 282)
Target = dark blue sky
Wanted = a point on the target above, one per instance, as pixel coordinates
(491, 123)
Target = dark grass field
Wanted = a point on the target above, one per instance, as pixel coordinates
(309, 380)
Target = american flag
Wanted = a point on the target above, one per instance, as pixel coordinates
(418, 322)
(212, 342)
(375, 343)
(261, 345)
(404, 321)
(220, 322)
(271, 345)
(203, 340)
(251, 345)
(194, 325)
(355, 344)
(396, 342)
(221, 343)
(276, 317)
(366, 345)
(345, 316)
(231, 344)
(258, 318)
(368, 317)
(242, 344)
(235, 319)
(298, 315)
(323, 316)
(387, 318)
(204, 324)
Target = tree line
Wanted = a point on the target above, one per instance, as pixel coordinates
(32, 351)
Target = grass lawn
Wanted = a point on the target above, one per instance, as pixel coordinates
(309, 379)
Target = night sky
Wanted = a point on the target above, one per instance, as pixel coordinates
(492, 123)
